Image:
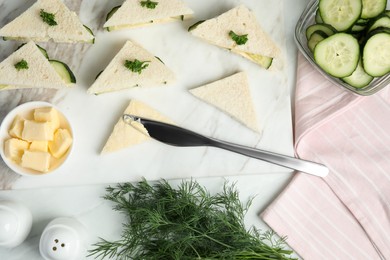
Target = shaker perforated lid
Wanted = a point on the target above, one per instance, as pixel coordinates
(63, 239)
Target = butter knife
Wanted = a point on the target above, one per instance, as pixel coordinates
(177, 136)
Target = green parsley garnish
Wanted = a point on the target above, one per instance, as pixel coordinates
(185, 222)
(149, 4)
(48, 18)
(136, 65)
(21, 65)
(239, 39)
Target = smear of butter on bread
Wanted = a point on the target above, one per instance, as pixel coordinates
(125, 135)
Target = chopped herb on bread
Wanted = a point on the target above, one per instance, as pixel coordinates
(45, 20)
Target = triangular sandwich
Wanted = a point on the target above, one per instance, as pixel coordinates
(125, 135)
(232, 96)
(132, 66)
(134, 13)
(28, 67)
(238, 31)
(45, 20)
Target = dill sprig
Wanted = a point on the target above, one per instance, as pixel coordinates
(136, 65)
(48, 18)
(21, 65)
(149, 4)
(184, 223)
(239, 39)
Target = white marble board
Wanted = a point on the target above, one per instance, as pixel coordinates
(194, 63)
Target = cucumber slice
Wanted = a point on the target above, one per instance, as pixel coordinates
(110, 14)
(362, 21)
(195, 25)
(359, 78)
(380, 21)
(318, 17)
(376, 54)
(91, 32)
(372, 8)
(64, 71)
(44, 52)
(263, 61)
(160, 60)
(326, 28)
(340, 14)
(357, 28)
(98, 74)
(338, 55)
(315, 38)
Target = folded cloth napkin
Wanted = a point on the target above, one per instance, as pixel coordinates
(345, 215)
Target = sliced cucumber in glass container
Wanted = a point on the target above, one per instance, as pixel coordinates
(338, 55)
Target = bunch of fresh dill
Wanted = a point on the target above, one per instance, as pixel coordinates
(184, 223)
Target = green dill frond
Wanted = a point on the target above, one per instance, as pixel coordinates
(48, 18)
(185, 222)
(21, 65)
(239, 39)
(149, 4)
(136, 65)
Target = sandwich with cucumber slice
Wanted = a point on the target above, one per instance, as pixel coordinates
(136, 13)
(351, 40)
(47, 20)
(237, 30)
(30, 67)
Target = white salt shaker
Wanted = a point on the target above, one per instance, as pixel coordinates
(63, 239)
(15, 223)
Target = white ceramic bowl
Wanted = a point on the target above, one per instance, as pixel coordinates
(15, 223)
(63, 239)
(25, 110)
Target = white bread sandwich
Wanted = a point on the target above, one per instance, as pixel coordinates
(238, 31)
(232, 96)
(45, 20)
(125, 135)
(132, 66)
(29, 67)
(135, 13)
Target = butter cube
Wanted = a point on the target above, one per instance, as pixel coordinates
(37, 131)
(17, 127)
(39, 161)
(61, 143)
(41, 146)
(47, 114)
(14, 149)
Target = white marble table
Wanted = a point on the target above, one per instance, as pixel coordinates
(86, 173)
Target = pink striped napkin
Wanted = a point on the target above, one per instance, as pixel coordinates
(347, 214)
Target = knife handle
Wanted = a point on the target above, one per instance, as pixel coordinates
(305, 166)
